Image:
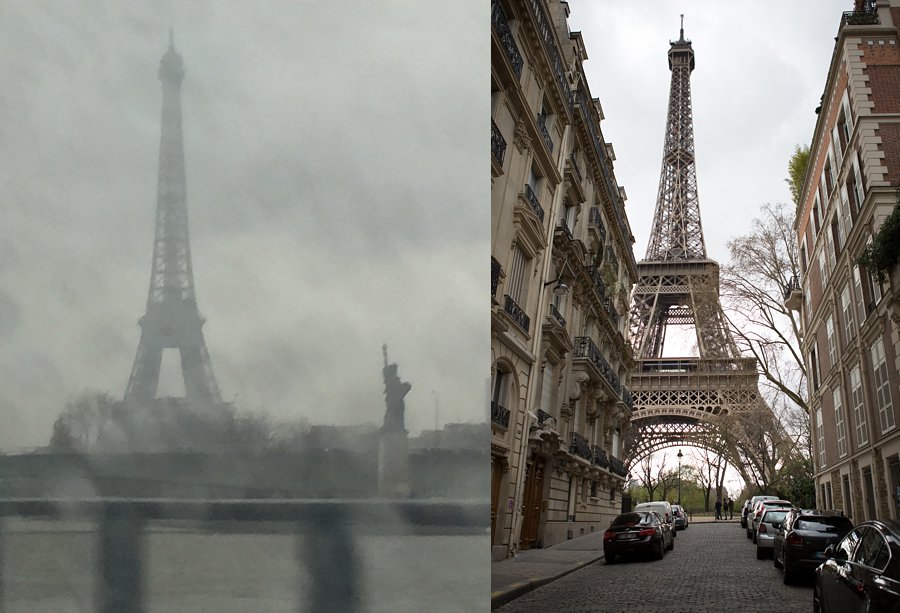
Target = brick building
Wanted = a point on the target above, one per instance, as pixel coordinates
(851, 340)
(562, 269)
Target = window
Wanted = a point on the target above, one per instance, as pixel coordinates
(845, 548)
(836, 143)
(847, 309)
(823, 267)
(839, 423)
(569, 215)
(820, 437)
(829, 501)
(832, 343)
(858, 182)
(516, 281)
(860, 300)
(547, 389)
(829, 245)
(882, 386)
(817, 220)
(814, 375)
(845, 223)
(829, 176)
(873, 550)
(803, 258)
(859, 409)
(832, 170)
(846, 118)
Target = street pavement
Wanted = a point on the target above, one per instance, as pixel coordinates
(713, 567)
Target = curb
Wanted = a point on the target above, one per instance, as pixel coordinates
(502, 596)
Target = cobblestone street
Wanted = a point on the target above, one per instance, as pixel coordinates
(712, 568)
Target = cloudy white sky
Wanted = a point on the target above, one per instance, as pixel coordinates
(760, 72)
(334, 195)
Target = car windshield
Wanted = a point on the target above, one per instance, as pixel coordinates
(774, 516)
(632, 519)
(823, 524)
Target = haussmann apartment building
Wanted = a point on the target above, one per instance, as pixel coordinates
(562, 269)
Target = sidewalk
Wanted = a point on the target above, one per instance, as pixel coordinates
(533, 568)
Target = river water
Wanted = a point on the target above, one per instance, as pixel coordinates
(50, 567)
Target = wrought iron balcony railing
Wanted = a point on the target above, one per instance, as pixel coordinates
(495, 276)
(579, 446)
(545, 30)
(617, 466)
(612, 312)
(563, 227)
(600, 458)
(628, 398)
(556, 315)
(542, 126)
(498, 144)
(792, 286)
(595, 220)
(611, 260)
(585, 348)
(533, 201)
(573, 164)
(517, 314)
(501, 25)
(499, 415)
(543, 417)
(866, 17)
(597, 279)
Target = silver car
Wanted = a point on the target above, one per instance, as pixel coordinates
(765, 531)
(761, 507)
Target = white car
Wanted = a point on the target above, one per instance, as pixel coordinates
(663, 508)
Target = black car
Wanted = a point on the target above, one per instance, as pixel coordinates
(641, 532)
(803, 535)
(862, 572)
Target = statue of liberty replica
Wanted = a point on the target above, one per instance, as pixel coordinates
(393, 447)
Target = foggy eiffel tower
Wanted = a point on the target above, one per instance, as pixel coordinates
(172, 319)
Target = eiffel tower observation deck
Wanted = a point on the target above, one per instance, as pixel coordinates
(172, 319)
(683, 400)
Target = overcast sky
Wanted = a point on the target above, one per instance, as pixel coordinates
(335, 197)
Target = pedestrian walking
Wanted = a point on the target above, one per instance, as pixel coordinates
(731, 509)
(718, 509)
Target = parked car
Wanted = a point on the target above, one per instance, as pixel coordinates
(663, 508)
(861, 572)
(759, 509)
(748, 507)
(681, 518)
(800, 541)
(765, 531)
(642, 532)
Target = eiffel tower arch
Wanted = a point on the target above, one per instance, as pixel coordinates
(684, 401)
(172, 319)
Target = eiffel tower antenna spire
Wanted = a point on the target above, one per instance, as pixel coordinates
(681, 33)
(172, 319)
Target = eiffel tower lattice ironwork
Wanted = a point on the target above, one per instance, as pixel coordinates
(680, 401)
(172, 319)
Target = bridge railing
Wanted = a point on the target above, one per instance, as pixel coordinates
(327, 528)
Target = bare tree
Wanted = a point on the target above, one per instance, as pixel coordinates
(652, 479)
(708, 470)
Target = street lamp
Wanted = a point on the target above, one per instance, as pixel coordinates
(680, 455)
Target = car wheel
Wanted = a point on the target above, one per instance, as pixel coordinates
(662, 551)
(760, 553)
(788, 579)
(754, 538)
(672, 545)
(775, 562)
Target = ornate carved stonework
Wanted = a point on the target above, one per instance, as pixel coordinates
(521, 138)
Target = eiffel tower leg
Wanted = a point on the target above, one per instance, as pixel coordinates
(144, 379)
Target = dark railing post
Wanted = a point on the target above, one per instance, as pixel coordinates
(120, 585)
(327, 551)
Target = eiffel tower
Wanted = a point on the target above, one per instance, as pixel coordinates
(172, 320)
(682, 401)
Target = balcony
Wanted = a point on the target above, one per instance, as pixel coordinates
(499, 415)
(628, 398)
(579, 446)
(612, 312)
(585, 348)
(865, 17)
(557, 316)
(600, 458)
(596, 222)
(498, 145)
(594, 273)
(498, 21)
(617, 466)
(516, 313)
(610, 259)
(495, 277)
(573, 166)
(532, 200)
(793, 295)
(544, 419)
(542, 127)
(563, 228)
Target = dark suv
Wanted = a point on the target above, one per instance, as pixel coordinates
(802, 537)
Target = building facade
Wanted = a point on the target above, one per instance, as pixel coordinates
(851, 339)
(562, 269)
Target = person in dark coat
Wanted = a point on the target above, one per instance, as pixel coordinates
(718, 509)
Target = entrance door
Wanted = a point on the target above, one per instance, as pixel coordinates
(534, 486)
(870, 492)
(496, 476)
